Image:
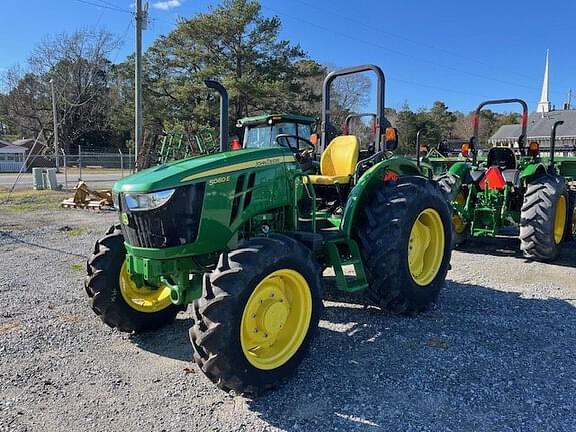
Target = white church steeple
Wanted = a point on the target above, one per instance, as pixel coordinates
(544, 105)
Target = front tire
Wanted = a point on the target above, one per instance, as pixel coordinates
(258, 314)
(113, 294)
(543, 218)
(404, 235)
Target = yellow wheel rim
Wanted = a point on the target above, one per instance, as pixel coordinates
(426, 247)
(141, 298)
(457, 220)
(560, 220)
(276, 319)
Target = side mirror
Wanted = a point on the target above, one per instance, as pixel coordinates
(391, 139)
(314, 138)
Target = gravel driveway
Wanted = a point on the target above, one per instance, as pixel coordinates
(498, 353)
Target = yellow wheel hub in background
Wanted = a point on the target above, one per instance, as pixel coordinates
(143, 299)
(560, 220)
(276, 319)
(426, 247)
(457, 220)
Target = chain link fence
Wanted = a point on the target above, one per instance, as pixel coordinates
(119, 160)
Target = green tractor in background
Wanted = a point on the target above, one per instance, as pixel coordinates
(511, 188)
(245, 236)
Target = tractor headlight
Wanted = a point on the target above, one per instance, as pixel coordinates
(147, 201)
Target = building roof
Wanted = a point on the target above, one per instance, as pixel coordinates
(28, 143)
(540, 126)
(4, 143)
(507, 131)
(10, 148)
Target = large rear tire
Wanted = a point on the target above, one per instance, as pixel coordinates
(258, 314)
(404, 233)
(544, 217)
(115, 298)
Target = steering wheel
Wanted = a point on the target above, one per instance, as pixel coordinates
(300, 154)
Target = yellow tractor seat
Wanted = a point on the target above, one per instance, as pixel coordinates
(338, 162)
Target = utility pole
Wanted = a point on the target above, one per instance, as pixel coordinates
(141, 20)
(55, 120)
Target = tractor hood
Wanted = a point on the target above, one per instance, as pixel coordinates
(177, 173)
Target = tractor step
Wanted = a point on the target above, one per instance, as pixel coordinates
(355, 286)
(351, 261)
(342, 252)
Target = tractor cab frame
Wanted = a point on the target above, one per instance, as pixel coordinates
(261, 131)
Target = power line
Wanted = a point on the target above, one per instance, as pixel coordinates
(400, 53)
(392, 78)
(109, 4)
(407, 39)
(128, 27)
(105, 6)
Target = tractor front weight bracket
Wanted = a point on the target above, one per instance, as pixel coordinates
(184, 293)
(181, 275)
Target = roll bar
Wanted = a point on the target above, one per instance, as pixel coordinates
(476, 124)
(381, 122)
(215, 85)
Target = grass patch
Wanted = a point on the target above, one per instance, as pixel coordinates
(77, 267)
(74, 231)
(30, 200)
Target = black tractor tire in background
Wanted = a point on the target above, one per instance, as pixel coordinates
(215, 335)
(570, 233)
(383, 232)
(537, 217)
(102, 285)
(447, 183)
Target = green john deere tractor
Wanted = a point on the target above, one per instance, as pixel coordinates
(245, 236)
(512, 187)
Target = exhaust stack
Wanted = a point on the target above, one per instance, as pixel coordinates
(223, 112)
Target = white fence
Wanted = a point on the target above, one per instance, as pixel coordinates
(10, 166)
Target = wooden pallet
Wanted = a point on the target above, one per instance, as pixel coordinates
(92, 204)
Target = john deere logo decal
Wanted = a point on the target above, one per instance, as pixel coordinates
(265, 162)
(239, 166)
(124, 218)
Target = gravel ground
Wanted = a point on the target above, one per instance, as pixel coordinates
(498, 353)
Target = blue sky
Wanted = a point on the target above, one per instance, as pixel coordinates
(461, 52)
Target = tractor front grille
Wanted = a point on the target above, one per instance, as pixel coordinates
(173, 224)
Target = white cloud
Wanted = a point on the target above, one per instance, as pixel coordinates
(166, 5)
